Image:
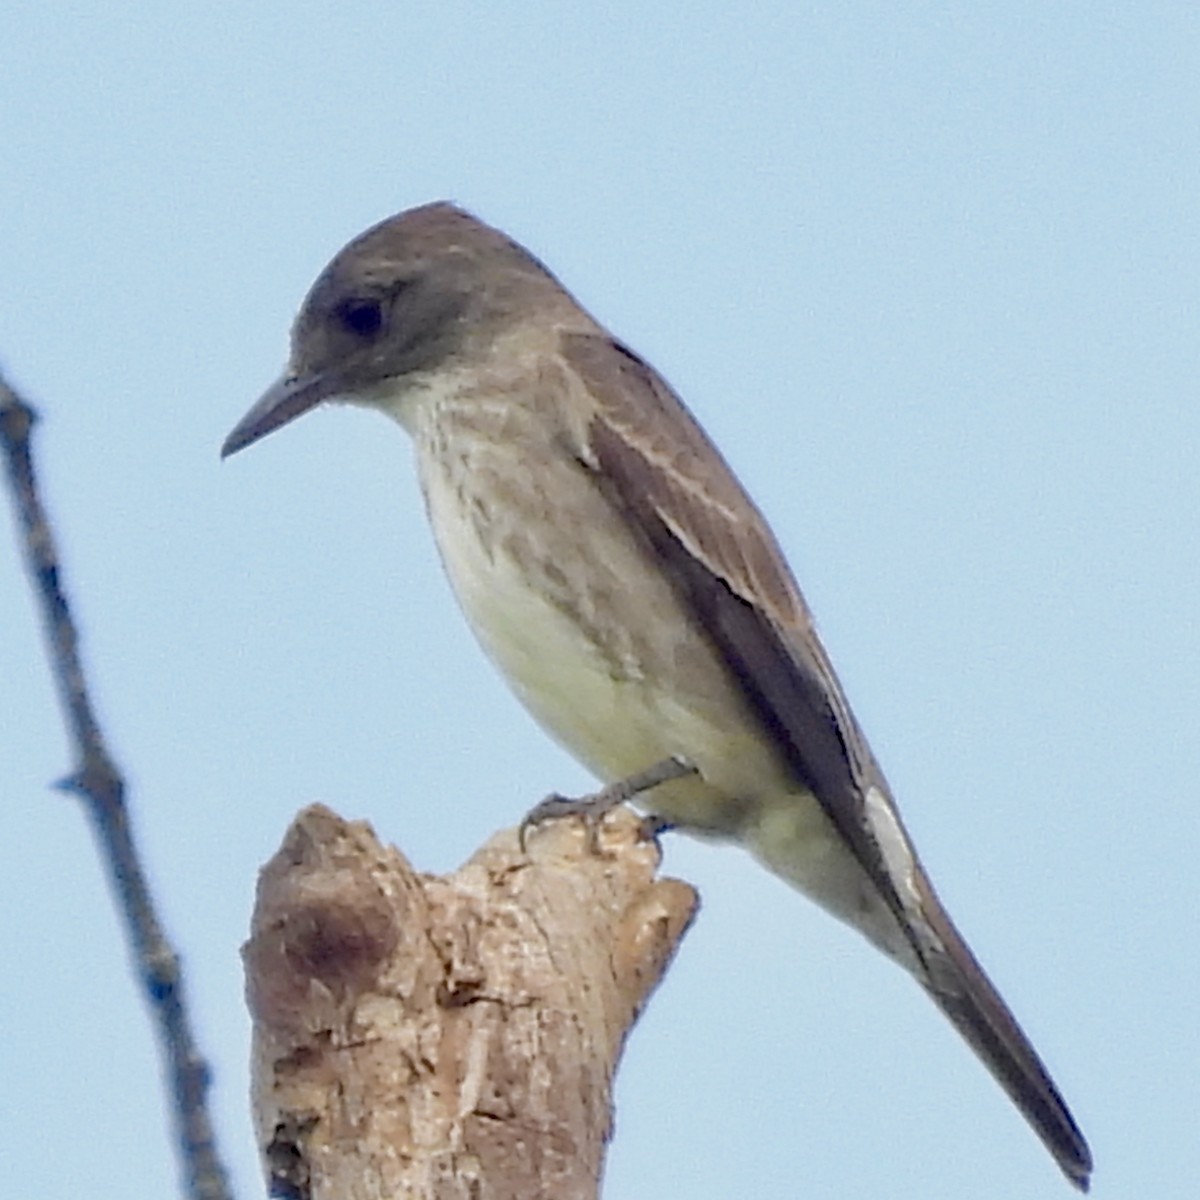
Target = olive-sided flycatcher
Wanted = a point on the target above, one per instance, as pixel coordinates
(631, 593)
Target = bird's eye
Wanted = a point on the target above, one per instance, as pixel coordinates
(360, 315)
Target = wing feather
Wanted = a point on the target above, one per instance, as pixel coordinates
(657, 465)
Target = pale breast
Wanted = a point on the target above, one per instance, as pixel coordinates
(565, 600)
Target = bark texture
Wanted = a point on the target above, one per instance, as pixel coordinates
(443, 1037)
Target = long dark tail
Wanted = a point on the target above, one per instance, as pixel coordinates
(962, 990)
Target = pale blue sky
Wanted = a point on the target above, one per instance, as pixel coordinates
(929, 274)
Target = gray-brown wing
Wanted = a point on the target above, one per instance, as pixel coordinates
(655, 462)
(659, 465)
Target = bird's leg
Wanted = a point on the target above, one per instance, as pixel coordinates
(593, 808)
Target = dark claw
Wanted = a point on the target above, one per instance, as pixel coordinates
(653, 827)
(594, 808)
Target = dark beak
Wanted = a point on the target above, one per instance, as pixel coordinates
(286, 399)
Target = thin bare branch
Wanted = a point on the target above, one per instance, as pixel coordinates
(96, 780)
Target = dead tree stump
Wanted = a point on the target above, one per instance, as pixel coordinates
(443, 1037)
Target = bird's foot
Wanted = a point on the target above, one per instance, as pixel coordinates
(592, 809)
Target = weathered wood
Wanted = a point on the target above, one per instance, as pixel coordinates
(419, 1036)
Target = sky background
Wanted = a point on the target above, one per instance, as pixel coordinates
(929, 274)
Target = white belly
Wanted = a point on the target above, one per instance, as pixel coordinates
(600, 708)
(597, 647)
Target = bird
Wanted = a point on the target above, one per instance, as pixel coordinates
(634, 597)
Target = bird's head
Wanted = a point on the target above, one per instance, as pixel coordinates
(414, 294)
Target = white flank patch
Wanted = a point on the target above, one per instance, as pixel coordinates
(893, 842)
